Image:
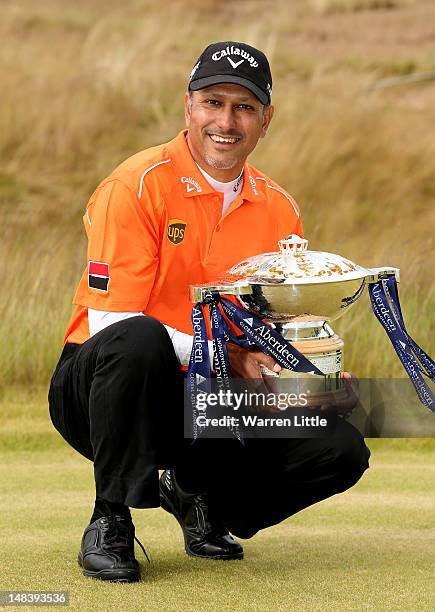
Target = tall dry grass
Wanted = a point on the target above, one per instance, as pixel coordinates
(86, 84)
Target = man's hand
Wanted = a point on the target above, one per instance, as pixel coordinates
(346, 405)
(253, 366)
(247, 364)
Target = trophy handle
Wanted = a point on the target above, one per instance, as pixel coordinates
(375, 273)
(198, 292)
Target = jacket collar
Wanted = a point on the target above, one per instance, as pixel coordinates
(191, 179)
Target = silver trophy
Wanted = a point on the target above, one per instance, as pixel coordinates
(299, 293)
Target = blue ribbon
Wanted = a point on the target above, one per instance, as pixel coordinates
(199, 371)
(427, 364)
(268, 340)
(255, 333)
(198, 374)
(384, 297)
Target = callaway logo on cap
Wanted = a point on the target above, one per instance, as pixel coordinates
(233, 62)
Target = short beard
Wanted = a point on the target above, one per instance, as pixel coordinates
(220, 164)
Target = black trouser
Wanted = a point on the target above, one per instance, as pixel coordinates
(118, 400)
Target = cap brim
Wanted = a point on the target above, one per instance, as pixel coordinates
(228, 78)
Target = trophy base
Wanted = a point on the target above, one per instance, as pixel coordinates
(314, 337)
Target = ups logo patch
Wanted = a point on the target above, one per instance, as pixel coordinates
(176, 230)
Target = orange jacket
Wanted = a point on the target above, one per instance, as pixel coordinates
(155, 226)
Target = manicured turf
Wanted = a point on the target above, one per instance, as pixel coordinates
(372, 548)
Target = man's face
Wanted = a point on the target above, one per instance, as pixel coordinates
(224, 124)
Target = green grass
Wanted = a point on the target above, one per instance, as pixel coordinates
(372, 548)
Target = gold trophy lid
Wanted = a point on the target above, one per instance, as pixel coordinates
(295, 264)
(295, 281)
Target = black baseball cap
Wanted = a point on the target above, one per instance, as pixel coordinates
(233, 62)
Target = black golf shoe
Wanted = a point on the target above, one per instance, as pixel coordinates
(107, 550)
(204, 534)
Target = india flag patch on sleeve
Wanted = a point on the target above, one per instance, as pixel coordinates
(98, 275)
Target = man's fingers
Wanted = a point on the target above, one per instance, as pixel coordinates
(352, 387)
(265, 371)
(271, 379)
(270, 367)
(266, 361)
(347, 404)
(260, 373)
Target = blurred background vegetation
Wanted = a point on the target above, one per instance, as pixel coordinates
(87, 83)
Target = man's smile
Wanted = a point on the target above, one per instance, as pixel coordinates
(225, 140)
(224, 123)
